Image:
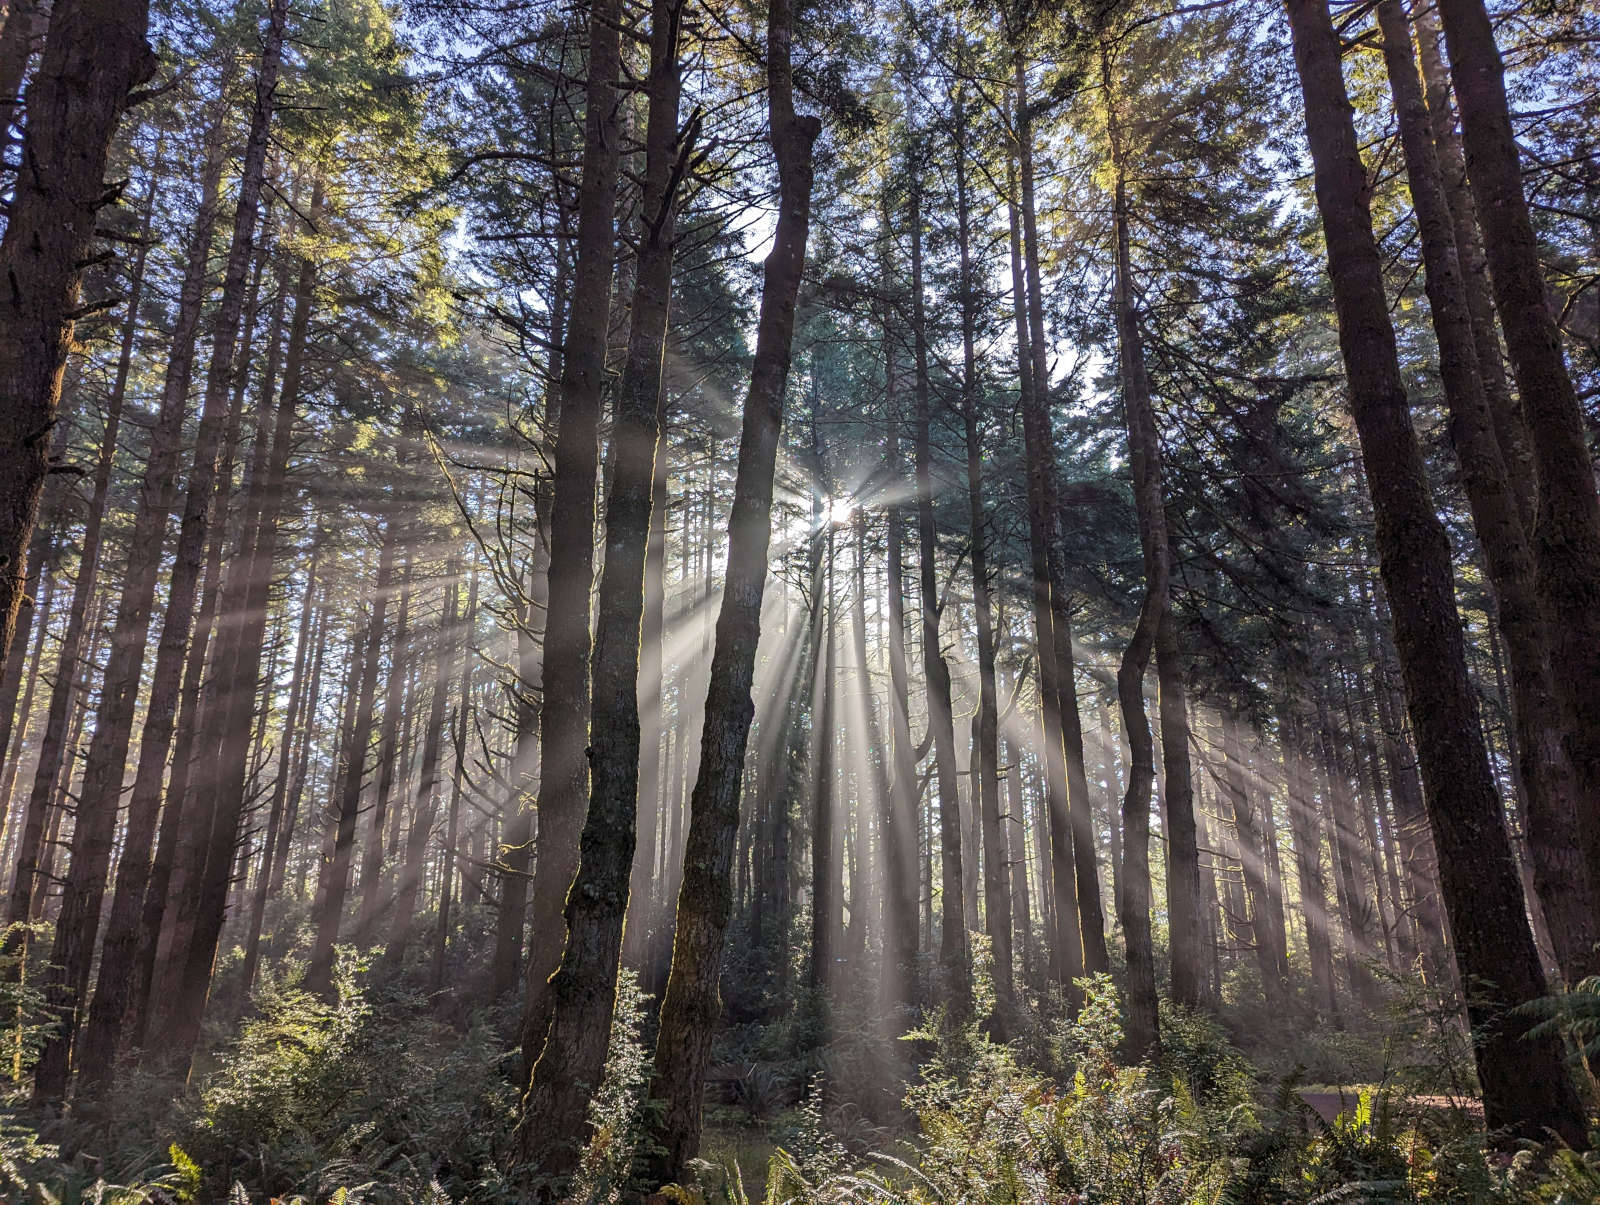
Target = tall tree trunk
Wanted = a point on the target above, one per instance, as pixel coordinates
(447, 640)
(555, 1119)
(1566, 528)
(900, 815)
(1526, 1090)
(452, 853)
(690, 1008)
(334, 885)
(394, 704)
(1144, 457)
(1561, 872)
(564, 722)
(1078, 933)
(644, 904)
(294, 716)
(95, 55)
(954, 955)
(100, 796)
(986, 742)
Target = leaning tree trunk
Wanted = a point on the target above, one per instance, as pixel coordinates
(564, 716)
(690, 1008)
(570, 1068)
(1526, 1090)
(95, 55)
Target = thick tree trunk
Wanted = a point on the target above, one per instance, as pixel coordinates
(1526, 1090)
(569, 1070)
(1566, 528)
(95, 55)
(1560, 869)
(564, 720)
(690, 1008)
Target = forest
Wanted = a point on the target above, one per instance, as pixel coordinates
(890, 602)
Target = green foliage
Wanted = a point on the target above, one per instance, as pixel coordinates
(616, 1114)
(313, 1096)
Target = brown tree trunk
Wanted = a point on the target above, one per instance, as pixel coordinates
(1071, 941)
(986, 736)
(1566, 528)
(954, 956)
(1560, 869)
(447, 640)
(102, 786)
(564, 722)
(555, 1120)
(690, 1008)
(1526, 1090)
(95, 55)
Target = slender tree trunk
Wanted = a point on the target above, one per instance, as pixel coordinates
(690, 1008)
(1525, 1086)
(452, 854)
(425, 801)
(335, 882)
(277, 833)
(394, 704)
(1078, 932)
(954, 955)
(900, 816)
(986, 735)
(644, 903)
(1144, 456)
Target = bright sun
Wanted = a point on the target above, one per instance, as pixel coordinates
(840, 510)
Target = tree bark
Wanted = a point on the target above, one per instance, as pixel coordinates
(564, 723)
(95, 55)
(1566, 527)
(1561, 872)
(569, 1070)
(954, 955)
(690, 1008)
(1526, 1090)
